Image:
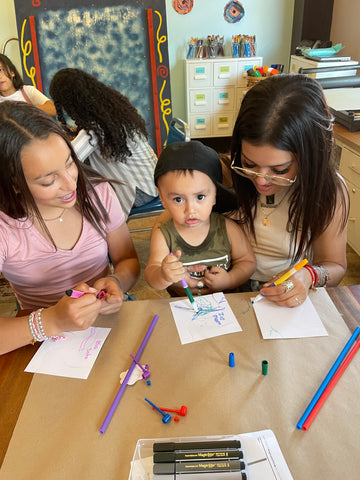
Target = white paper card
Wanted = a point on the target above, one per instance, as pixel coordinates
(72, 356)
(283, 322)
(214, 318)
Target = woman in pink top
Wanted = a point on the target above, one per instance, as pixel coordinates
(59, 223)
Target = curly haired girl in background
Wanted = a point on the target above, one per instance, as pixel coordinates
(111, 133)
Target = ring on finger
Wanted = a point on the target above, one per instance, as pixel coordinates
(298, 301)
(289, 285)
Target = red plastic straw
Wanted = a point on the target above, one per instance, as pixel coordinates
(331, 385)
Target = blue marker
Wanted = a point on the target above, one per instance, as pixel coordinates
(166, 416)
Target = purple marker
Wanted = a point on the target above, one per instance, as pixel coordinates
(188, 293)
(146, 373)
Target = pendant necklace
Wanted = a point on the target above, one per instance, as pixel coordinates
(59, 217)
(270, 199)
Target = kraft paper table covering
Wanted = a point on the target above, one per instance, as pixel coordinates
(57, 434)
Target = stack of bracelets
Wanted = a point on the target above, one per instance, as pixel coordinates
(319, 275)
(37, 329)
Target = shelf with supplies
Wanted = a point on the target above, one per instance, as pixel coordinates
(297, 62)
(214, 92)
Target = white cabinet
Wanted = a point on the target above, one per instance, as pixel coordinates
(214, 91)
(350, 170)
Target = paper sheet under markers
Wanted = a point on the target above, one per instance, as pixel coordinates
(213, 319)
(72, 356)
(283, 322)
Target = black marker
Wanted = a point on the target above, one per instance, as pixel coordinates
(199, 467)
(185, 446)
(167, 457)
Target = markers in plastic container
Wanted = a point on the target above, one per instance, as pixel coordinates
(194, 455)
(185, 446)
(199, 467)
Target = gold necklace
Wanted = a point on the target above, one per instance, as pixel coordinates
(266, 221)
(59, 217)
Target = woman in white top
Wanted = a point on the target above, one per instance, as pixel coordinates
(12, 88)
(111, 134)
(292, 201)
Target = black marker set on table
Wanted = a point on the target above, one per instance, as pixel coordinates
(211, 457)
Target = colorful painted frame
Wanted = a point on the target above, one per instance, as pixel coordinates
(123, 43)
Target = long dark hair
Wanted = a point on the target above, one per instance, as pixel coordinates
(11, 69)
(289, 112)
(20, 124)
(98, 108)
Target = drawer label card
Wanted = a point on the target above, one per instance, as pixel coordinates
(225, 69)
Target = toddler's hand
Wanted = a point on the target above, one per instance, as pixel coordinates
(217, 279)
(171, 268)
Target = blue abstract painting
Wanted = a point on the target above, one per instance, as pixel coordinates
(109, 40)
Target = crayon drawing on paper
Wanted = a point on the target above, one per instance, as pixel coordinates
(213, 319)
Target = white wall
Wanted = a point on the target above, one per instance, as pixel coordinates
(8, 29)
(271, 22)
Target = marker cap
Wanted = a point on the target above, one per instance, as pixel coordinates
(264, 365)
(231, 359)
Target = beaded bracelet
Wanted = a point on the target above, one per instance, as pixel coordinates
(37, 329)
(119, 282)
(35, 334)
(323, 275)
(39, 324)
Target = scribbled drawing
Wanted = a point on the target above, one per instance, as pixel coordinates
(275, 332)
(207, 308)
(214, 317)
(73, 357)
(86, 340)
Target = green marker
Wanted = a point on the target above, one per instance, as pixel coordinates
(189, 294)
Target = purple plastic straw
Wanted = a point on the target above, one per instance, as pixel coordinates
(127, 377)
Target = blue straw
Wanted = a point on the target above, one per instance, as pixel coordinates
(328, 377)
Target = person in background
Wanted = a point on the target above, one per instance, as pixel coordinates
(110, 133)
(201, 245)
(59, 224)
(291, 199)
(12, 88)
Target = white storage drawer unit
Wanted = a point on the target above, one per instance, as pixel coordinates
(350, 170)
(214, 91)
